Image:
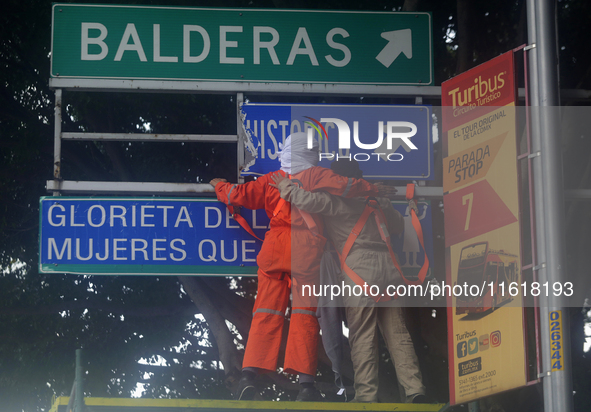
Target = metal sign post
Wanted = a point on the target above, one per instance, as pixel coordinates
(549, 198)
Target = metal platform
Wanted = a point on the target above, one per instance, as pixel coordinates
(212, 405)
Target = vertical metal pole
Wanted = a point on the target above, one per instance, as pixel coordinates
(539, 258)
(558, 383)
(79, 398)
(240, 142)
(532, 212)
(57, 139)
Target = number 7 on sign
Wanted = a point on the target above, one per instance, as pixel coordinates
(469, 198)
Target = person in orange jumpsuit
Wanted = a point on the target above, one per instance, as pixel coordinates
(289, 256)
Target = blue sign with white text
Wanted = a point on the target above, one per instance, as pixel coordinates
(125, 236)
(146, 236)
(389, 142)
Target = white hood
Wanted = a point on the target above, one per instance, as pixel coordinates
(295, 155)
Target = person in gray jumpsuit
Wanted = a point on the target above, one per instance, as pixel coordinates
(370, 259)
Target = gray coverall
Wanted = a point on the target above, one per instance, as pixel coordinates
(370, 259)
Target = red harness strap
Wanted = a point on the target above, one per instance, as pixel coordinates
(373, 207)
(235, 212)
(369, 210)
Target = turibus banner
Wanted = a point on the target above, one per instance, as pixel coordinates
(482, 232)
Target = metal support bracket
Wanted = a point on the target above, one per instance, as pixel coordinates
(536, 154)
(540, 266)
(529, 47)
(544, 374)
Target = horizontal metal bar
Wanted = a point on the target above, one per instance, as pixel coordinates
(151, 188)
(74, 186)
(172, 86)
(147, 137)
(427, 192)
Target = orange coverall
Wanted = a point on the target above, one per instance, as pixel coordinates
(290, 253)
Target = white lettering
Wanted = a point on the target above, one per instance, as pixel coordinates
(156, 249)
(180, 217)
(404, 136)
(245, 250)
(106, 251)
(136, 46)
(116, 249)
(187, 30)
(235, 244)
(254, 221)
(371, 146)
(331, 43)
(66, 247)
(103, 215)
(72, 215)
(226, 44)
(62, 218)
(211, 257)
(258, 44)
(78, 250)
(157, 56)
(86, 41)
(136, 249)
(272, 155)
(219, 216)
(343, 129)
(121, 216)
(183, 253)
(308, 50)
(165, 214)
(144, 215)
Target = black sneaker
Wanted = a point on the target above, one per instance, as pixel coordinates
(309, 394)
(246, 389)
(420, 398)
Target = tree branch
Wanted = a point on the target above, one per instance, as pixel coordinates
(217, 324)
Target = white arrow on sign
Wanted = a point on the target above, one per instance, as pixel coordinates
(399, 41)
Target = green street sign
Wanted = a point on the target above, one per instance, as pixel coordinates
(241, 45)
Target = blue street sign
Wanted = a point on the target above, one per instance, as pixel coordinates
(146, 236)
(164, 236)
(389, 142)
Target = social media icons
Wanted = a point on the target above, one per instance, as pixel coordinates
(495, 338)
(478, 344)
(473, 346)
(483, 342)
(462, 349)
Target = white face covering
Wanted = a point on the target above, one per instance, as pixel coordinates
(295, 155)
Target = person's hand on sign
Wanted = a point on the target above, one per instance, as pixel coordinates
(217, 180)
(277, 178)
(385, 190)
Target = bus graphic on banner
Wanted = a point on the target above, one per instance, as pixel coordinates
(495, 269)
